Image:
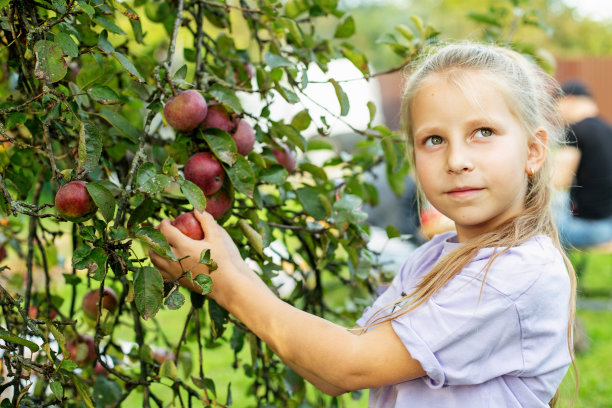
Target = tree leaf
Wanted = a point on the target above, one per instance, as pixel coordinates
(222, 145)
(68, 45)
(11, 338)
(346, 28)
(275, 61)
(58, 389)
(242, 176)
(106, 392)
(109, 25)
(168, 369)
(50, 62)
(156, 240)
(82, 391)
(343, 99)
(309, 198)
(90, 147)
(204, 282)
(121, 124)
(226, 95)
(194, 195)
(145, 172)
(156, 184)
(175, 300)
(148, 291)
(107, 47)
(103, 94)
(103, 198)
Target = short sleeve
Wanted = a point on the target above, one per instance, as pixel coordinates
(462, 338)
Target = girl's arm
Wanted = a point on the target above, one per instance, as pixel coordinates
(326, 354)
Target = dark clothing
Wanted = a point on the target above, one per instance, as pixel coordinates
(591, 193)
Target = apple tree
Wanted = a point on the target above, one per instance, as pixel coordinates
(116, 115)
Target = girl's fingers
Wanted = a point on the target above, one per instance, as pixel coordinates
(173, 234)
(208, 223)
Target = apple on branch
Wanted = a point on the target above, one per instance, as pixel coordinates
(244, 136)
(186, 110)
(218, 117)
(219, 203)
(91, 299)
(73, 201)
(285, 157)
(204, 170)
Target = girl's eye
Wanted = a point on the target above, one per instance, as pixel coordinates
(484, 132)
(433, 141)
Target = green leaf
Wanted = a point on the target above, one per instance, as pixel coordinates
(175, 300)
(50, 62)
(4, 3)
(156, 184)
(148, 291)
(204, 282)
(11, 338)
(109, 25)
(107, 47)
(204, 384)
(392, 232)
(342, 97)
(227, 96)
(346, 28)
(194, 195)
(68, 45)
(106, 392)
(15, 118)
(222, 145)
(242, 176)
(87, 9)
(156, 240)
(90, 147)
(309, 197)
(301, 121)
(103, 94)
(82, 391)
(168, 369)
(276, 61)
(58, 389)
(121, 123)
(103, 198)
(348, 210)
(358, 59)
(145, 172)
(59, 337)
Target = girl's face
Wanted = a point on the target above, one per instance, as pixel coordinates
(471, 157)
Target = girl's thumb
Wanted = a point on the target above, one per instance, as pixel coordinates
(207, 222)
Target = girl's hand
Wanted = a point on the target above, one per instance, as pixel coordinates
(222, 250)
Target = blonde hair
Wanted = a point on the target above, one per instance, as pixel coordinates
(532, 97)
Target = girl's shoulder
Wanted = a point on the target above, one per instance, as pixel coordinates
(514, 272)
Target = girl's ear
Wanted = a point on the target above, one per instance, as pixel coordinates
(537, 149)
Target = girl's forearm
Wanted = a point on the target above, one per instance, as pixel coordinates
(312, 346)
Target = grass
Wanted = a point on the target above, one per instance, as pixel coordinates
(595, 364)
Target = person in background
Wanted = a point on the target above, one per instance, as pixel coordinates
(583, 172)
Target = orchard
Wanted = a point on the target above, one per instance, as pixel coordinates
(117, 115)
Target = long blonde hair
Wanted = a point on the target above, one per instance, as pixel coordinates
(532, 97)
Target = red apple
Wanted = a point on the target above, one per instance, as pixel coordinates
(91, 298)
(205, 171)
(100, 370)
(218, 204)
(244, 136)
(285, 157)
(73, 201)
(218, 117)
(81, 349)
(189, 225)
(185, 110)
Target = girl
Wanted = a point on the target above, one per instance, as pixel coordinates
(479, 317)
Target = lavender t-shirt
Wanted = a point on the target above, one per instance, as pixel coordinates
(508, 349)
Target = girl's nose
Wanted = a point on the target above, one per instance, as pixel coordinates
(459, 159)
